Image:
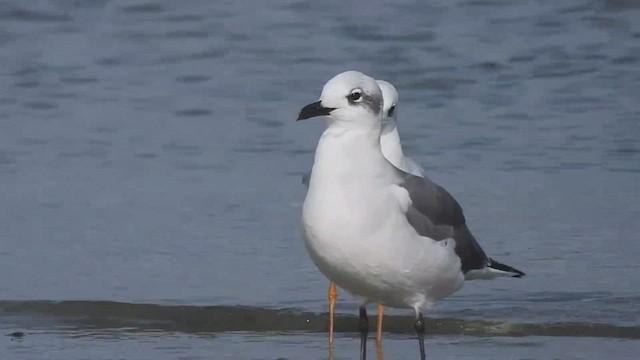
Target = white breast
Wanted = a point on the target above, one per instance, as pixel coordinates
(357, 234)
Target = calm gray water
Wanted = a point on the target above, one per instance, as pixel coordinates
(150, 173)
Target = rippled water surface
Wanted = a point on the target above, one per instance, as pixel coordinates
(150, 172)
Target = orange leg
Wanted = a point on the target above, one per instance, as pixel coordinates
(333, 293)
(380, 355)
(380, 315)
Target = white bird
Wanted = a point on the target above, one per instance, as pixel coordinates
(384, 235)
(392, 151)
(389, 138)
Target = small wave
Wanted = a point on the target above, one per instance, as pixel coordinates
(214, 319)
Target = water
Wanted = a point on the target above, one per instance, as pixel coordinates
(150, 171)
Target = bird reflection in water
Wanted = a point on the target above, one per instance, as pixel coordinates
(379, 354)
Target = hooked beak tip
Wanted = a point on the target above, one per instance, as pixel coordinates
(313, 110)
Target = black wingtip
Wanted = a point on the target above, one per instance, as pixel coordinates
(506, 268)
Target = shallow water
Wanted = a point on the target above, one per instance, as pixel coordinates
(148, 154)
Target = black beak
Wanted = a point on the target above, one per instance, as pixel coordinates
(313, 110)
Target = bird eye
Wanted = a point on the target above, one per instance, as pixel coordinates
(355, 96)
(392, 111)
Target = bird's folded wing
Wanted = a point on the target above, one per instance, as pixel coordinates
(434, 213)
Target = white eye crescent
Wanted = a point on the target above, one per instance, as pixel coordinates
(355, 96)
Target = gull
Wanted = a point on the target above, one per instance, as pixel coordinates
(384, 235)
(392, 151)
(389, 138)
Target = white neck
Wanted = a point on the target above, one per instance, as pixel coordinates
(347, 153)
(390, 143)
(392, 150)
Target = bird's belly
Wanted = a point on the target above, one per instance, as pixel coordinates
(377, 258)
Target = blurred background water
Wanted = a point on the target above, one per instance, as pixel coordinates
(149, 154)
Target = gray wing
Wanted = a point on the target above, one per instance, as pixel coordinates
(436, 214)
